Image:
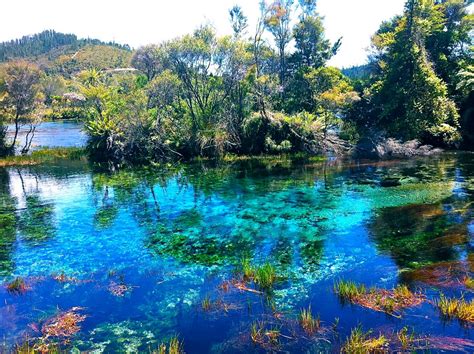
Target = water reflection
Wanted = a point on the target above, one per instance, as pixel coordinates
(172, 235)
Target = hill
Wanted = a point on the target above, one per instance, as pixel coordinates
(65, 53)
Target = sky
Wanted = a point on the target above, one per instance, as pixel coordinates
(140, 22)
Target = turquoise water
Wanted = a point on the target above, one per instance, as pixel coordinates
(139, 250)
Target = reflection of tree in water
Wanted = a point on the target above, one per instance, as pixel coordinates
(418, 235)
(193, 235)
(36, 221)
(7, 223)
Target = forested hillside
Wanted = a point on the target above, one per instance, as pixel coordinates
(45, 42)
(267, 89)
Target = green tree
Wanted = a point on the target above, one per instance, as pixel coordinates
(278, 23)
(21, 100)
(409, 100)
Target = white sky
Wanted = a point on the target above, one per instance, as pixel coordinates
(140, 22)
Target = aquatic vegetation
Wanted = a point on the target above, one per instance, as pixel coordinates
(248, 270)
(388, 301)
(59, 329)
(406, 339)
(449, 344)
(44, 156)
(442, 274)
(206, 304)
(17, 286)
(173, 346)
(414, 241)
(349, 290)
(452, 308)
(300, 231)
(267, 338)
(265, 276)
(63, 278)
(469, 283)
(119, 289)
(308, 322)
(360, 342)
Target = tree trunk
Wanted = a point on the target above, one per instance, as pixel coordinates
(17, 129)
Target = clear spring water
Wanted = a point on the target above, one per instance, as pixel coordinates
(53, 134)
(173, 236)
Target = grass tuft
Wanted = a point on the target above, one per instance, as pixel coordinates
(469, 283)
(388, 301)
(348, 290)
(406, 339)
(174, 346)
(456, 308)
(268, 339)
(206, 304)
(309, 323)
(265, 276)
(361, 342)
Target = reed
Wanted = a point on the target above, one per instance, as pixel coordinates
(360, 342)
(308, 322)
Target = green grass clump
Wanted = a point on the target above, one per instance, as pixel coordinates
(265, 276)
(360, 342)
(248, 270)
(456, 308)
(348, 290)
(383, 300)
(309, 323)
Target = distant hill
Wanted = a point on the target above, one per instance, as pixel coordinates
(65, 53)
(360, 72)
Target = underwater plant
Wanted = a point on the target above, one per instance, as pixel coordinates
(17, 286)
(59, 329)
(360, 342)
(206, 304)
(174, 346)
(267, 338)
(406, 339)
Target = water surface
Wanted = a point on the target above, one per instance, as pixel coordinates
(173, 236)
(53, 134)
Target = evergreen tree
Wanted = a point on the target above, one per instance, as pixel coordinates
(409, 100)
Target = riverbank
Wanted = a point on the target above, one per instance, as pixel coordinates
(43, 156)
